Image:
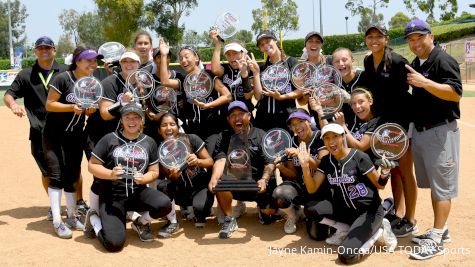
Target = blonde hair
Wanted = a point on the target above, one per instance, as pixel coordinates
(362, 90)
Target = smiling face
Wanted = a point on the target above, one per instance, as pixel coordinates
(268, 46)
(143, 45)
(313, 46)
(421, 44)
(232, 57)
(45, 53)
(333, 143)
(361, 105)
(128, 66)
(132, 123)
(86, 66)
(301, 128)
(188, 60)
(343, 61)
(239, 120)
(168, 128)
(376, 41)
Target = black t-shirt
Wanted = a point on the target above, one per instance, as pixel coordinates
(143, 153)
(257, 157)
(349, 181)
(180, 95)
(114, 87)
(314, 145)
(392, 100)
(355, 82)
(147, 66)
(429, 109)
(233, 80)
(63, 84)
(28, 85)
(268, 105)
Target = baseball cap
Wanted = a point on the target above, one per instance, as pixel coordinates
(313, 33)
(416, 26)
(88, 54)
(130, 55)
(265, 34)
(44, 40)
(132, 108)
(381, 28)
(234, 47)
(332, 127)
(299, 115)
(237, 104)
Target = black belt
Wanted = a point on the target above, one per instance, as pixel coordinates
(430, 126)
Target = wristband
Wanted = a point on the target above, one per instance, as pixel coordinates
(114, 109)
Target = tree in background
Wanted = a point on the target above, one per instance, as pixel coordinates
(367, 17)
(398, 20)
(276, 15)
(366, 10)
(120, 18)
(244, 36)
(448, 8)
(91, 32)
(69, 20)
(163, 16)
(191, 38)
(64, 46)
(18, 16)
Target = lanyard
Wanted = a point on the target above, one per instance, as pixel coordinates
(45, 83)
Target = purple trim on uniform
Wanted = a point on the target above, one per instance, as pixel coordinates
(299, 115)
(88, 54)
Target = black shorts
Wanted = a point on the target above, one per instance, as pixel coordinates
(36, 144)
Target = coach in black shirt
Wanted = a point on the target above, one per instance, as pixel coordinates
(32, 85)
(437, 90)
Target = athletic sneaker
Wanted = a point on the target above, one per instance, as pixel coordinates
(428, 248)
(49, 216)
(88, 228)
(81, 207)
(228, 227)
(405, 228)
(62, 230)
(187, 213)
(239, 210)
(264, 218)
(445, 237)
(337, 238)
(144, 231)
(392, 218)
(168, 229)
(290, 225)
(390, 239)
(74, 223)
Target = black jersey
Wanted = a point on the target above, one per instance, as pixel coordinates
(203, 122)
(65, 121)
(233, 80)
(147, 66)
(164, 101)
(113, 148)
(358, 128)
(349, 181)
(314, 145)
(28, 85)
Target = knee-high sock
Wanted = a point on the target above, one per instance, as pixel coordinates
(172, 215)
(145, 218)
(55, 202)
(70, 203)
(94, 201)
(368, 244)
(337, 225)
(96, 223)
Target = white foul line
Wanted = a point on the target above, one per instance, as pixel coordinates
(467, 123)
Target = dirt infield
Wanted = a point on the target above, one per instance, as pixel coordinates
(26, 238)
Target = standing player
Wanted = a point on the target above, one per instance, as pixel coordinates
(354, 207)
(143, 47)
(437, 90)
(385, 76)
(32, 85)
(272, 103)
(63, 138)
